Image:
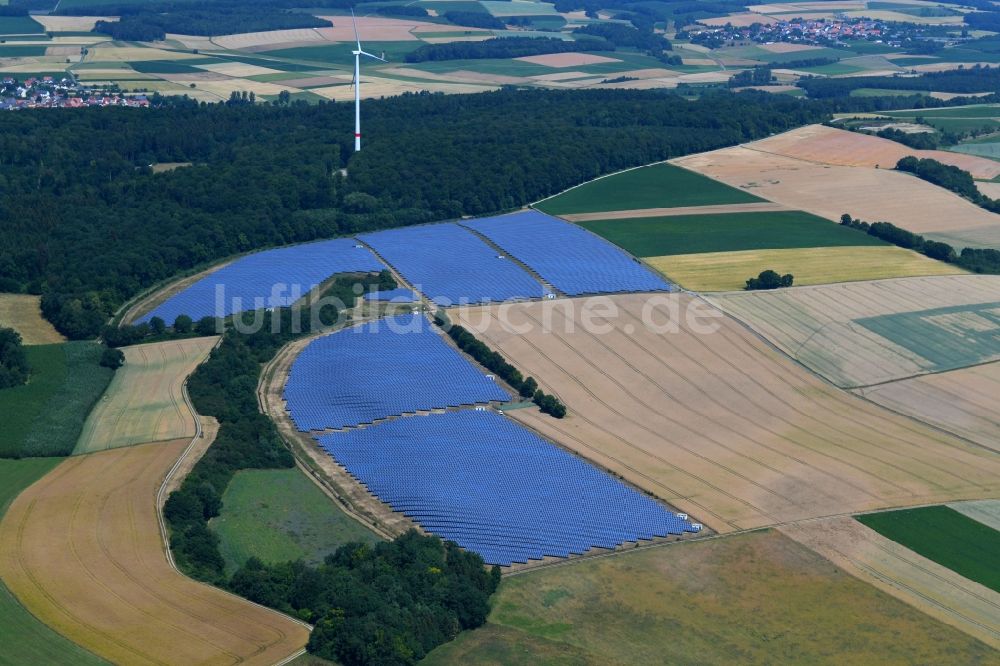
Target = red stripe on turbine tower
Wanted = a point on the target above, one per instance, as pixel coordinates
(357, 135)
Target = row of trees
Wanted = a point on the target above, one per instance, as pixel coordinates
(475, 19)
(495, 363)
(104, 227)
(971, 259)
(975, 79)
(949, 177)
(14, 369)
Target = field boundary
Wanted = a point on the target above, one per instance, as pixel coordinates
(708, 209)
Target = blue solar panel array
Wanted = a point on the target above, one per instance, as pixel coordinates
(495, 488)
(450, 265)
(400, 295)
(569, 257)
(383, 368)
(249, 283)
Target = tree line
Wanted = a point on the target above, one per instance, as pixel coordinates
(971, 259)
(527, 387)
(949, 177)
(975, 79)
(210, 21)
(103, 227)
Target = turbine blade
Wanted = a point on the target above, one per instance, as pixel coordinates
(370, 55)
(354, 20)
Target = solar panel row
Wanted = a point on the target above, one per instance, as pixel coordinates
(569, 257)
(495, 488)
(269, 279)
(383, 368)
(450, 265)
(400, 295)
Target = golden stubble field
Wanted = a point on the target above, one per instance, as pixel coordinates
(867, 193)
(829, 145)
(81, 550)
(145, 401)
(727, 271)
(23, 313)
(896, 570)
(718, 423)
(965, 402)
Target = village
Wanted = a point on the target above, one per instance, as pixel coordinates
(46, 92)
(817, 32)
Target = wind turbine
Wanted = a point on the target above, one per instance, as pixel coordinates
(357, 83)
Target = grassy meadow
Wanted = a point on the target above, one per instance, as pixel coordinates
(750, 598)
(280, 515)
(939, 533)
(44, 417)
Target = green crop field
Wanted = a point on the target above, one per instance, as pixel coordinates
(44, 417)
(750, 598)
(656, 186)
(20, 25)
(20, 51)
(691, 234)
(25, 640)
(941, 534)
(280, 515)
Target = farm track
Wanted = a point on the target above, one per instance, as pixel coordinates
(728, 430)
(926, 585)
(764, 207)
(82, 551)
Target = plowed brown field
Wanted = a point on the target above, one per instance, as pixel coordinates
(719, 424)
(81, 549)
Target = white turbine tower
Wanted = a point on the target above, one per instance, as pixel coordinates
(357, 83)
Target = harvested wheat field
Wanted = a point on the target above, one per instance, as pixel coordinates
(567, 59)
(718, 423)
(986, 512)
(964, 402)
(866, 333)
(829, 145)
(926, 585)
(23, 313)
(869, 194)
(145, 401)
(727, 271)
(81, 549)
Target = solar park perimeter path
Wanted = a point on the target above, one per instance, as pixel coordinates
(82, 551)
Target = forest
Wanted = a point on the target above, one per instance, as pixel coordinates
(148, 26)
(103, 227)
(975, 79)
